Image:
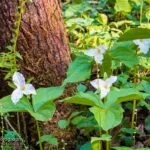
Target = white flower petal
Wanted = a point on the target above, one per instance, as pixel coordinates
(104, 92)
(143, 44)
(147, 41)
(90, 52)
(144, 48)
(98, 58)
(102, 48)
(29, 89)
(97, 83)
(18, 79)
(16, 95)
(137, 42)
(111, 80)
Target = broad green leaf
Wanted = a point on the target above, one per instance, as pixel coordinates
(103, 137)
(135, 33)
(89, 99)
(88, 122)
(108, 117)
(123, 6)
(76, 9)
(45, 112)
(63, 124)
(6, 105)
(102, 19)
(123, 95)
(86, 146)
(124, 52)
(79, 70)
(49, 139)
(122, 148)
(81, 88)
(97, 145)
(79, 21)
(46, 94)
(106, 65)
(130, 131)
(144, 86)
(74, 114)
(76, 120)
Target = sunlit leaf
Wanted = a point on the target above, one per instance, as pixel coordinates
(135, 33)
(79, 70)
(46, 94)
(81, 98)
(108, 117)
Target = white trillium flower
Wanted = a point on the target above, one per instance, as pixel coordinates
(104, 85)
(22, 88)
(97, 53)
(143, 44)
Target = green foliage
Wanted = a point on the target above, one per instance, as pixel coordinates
(7, 105)
(96, 145)
(123, 6)
(79, 70)
(8, 60)
(45, 95)
(108, 117)
(11, 135)
(89, 99)
(49, 139)
(45, 112)
(86, 146)
(124, 52)
(107, 64)
(63, 124)
(89, 24)
(124, 95)
(104, 137)
(135, 33)
(81, 88)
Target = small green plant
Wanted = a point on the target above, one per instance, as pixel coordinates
(116, 66)
(8, 59)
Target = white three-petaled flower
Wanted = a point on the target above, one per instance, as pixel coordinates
(103, 85)
(22, 88)
(143, 44)
(97, 53)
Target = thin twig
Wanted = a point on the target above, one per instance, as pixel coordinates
(16, 132)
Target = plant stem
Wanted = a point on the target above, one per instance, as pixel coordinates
(16, 132)
(133, 122)
(141, 12)
(24, 128)
(39, 135)
(133, 114)
(107, 142)
(18, 123)
(2, 131)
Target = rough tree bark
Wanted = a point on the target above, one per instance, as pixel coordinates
(42, 41)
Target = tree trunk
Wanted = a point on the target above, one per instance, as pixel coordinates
(42, 42)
